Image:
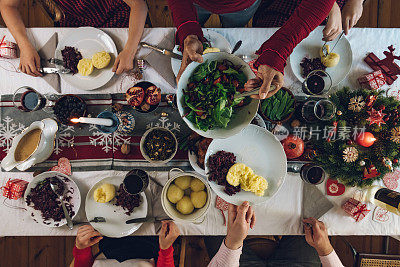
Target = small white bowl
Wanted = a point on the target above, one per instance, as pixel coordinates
(144, 152)
(199, 214)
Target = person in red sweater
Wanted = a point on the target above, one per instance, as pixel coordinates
(272, 54)
(132, 250)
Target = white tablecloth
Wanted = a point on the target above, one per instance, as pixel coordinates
(280, 216)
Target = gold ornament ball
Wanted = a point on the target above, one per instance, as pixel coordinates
(339, 113)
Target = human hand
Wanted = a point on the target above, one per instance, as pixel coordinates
(29, 61)
(240, 219)
(266, 76)
(351, 13)
(192, 51)
(87, 237)
(317, 236)
(334, 25)
(124, 61)
(168, 234)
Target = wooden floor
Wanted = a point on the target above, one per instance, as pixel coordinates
(57, 251)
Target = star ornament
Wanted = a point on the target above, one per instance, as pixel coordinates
(376, 117)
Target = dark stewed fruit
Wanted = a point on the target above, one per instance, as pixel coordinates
(69, 107)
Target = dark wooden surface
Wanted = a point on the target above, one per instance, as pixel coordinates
(57, 251)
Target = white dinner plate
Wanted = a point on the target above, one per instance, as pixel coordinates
(193, 162)
(216, 40)
(260, 150)
(71, 186)
(115, 216)
(310, 47)
(88, 41)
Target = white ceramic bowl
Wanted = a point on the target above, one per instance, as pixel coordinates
(244, 115)
(198, 215)
(144, 152)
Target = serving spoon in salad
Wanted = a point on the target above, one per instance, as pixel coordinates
(255, 91)
(55, 187)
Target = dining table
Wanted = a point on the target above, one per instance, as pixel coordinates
(280, 215)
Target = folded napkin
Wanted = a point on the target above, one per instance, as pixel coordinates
(315, 204)
(45, 53)
(162, 63)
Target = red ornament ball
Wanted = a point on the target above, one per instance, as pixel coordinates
(395, 161)
(366, 139)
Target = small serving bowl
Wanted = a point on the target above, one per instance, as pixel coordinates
(143, 151)
(198, 215)
(58, 101)
(287, 117)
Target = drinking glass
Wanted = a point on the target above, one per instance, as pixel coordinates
(135, 181)
(317, 82)
(324, 110)
(312, 173)
(28, 99)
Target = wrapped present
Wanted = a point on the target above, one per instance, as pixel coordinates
(355, 209)
(8, 49)
(14, 189)
(373, 80)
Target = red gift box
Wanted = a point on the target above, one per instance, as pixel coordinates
(355, 209)
(8, 49)
(373, 80)
(14, 189)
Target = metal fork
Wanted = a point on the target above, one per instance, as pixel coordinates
(255, 91)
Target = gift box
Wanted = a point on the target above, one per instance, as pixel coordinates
(355, 209)
(373, 80)
(14, 189)
(8, 49)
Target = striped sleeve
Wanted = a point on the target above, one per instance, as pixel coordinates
(226, 257)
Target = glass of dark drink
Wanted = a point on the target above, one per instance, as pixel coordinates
(135, 181)
(317, 82)
(312, 174)
(324, 110)
(28, 99)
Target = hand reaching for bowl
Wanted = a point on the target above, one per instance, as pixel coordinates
(240, 219)
(266, 76)
(192, 51)
(87, 237)
(29, 61)
(168, 234)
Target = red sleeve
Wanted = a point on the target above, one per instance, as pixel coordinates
(307, 16)
(83, 257)
(184, 16)
(166, 257)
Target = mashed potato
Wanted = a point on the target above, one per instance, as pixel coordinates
(248, 180)
(85, 66)
(101, 59)
(331, 59)
(104, 193)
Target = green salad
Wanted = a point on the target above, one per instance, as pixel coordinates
(209, 97)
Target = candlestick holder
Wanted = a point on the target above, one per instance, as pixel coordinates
(108, 115)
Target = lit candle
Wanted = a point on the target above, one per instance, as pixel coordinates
(366, 139)
(97, 121)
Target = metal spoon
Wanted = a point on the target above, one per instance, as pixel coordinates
(237, 46)
(55, 189)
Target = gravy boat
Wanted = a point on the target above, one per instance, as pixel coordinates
(42, 152)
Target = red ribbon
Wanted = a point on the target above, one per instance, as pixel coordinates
(360, 211)
(1, 43)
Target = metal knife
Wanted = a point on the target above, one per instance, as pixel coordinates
(148, 219)
(162, 50)
(54, 70)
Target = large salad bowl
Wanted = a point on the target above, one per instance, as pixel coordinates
(242, 116)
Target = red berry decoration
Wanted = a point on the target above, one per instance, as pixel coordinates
(395, 161)
(293, 146)
(382, 107)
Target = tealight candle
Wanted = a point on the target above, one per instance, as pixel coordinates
(366, 139)
(97, 121)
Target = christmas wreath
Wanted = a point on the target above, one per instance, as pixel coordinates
(363, 143)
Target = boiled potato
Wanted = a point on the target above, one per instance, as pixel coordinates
(174, 193)
(85, 66)
(331, 59)
(101, 59)
(197, 185)
(211, 50)
(198, 199)
(185, 205)
(104, 193)
(183, 182)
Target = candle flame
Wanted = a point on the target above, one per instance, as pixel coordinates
(75, 120)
